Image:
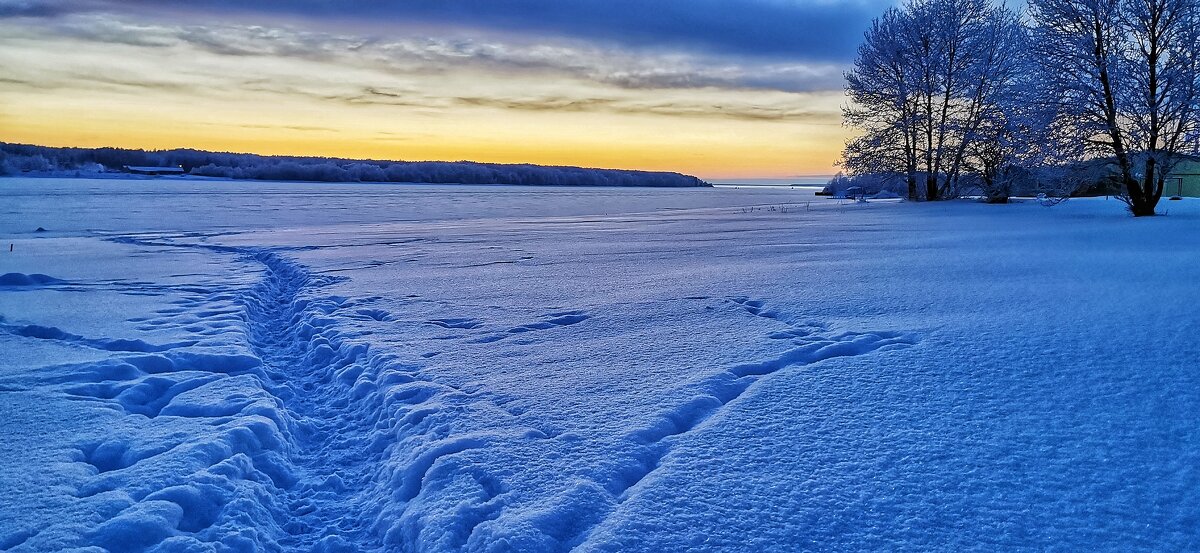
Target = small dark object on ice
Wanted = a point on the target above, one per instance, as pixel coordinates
(40, 229)
(1176, 198)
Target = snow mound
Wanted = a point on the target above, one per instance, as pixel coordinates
(34, 279)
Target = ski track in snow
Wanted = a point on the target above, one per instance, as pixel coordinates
(317, 441)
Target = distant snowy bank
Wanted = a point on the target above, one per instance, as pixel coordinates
(28, 160)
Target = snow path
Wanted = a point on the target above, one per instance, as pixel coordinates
(336, 442)
(289, 335)
(294, 438)
(329, 419)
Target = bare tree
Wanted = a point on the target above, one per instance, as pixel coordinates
(997, 134)
(882, 92)
(1121, 78)
(928, 85)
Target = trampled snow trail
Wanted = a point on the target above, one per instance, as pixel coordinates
(344, 436)
(310, 439)
(302, 356)
(277, 455)
(328, 408)
(714, 393)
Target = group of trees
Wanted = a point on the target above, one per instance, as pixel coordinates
(21, 158)
(965, 94)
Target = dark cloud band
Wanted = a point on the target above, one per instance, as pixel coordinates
(809, 31)
(35, 8)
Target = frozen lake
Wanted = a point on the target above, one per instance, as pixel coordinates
(171, 204)
(212, 366)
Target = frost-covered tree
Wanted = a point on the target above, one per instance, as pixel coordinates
(931, 82)
(882, 90)
(996, 135)
(1121, 78)
(1013, 145)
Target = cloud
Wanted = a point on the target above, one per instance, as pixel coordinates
(299, 128)
(811, 30)
(138, 83)
(27, 83)
(790, 109)
(433, 72)
(130, 84)
(428, 54)
(32, 8)
(693, 109)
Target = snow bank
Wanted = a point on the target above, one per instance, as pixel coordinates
(21, 279)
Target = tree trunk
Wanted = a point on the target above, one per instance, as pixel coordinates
(1144, 198)
(1140, 200)
(992, 193)
(1141, 208)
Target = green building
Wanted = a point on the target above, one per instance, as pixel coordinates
(1183, 180)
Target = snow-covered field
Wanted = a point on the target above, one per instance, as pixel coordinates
(302, 367)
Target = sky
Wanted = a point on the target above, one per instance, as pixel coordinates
(725, 90)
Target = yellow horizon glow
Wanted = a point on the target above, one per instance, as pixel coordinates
(71, 92)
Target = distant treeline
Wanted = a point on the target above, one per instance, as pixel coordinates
(18, 159)
(1095, 177)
